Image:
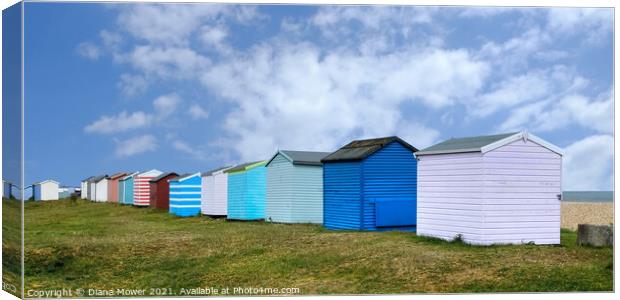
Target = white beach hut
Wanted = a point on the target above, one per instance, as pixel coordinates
(45, 190)
(497, 189)
(214, 198)
(101, 189)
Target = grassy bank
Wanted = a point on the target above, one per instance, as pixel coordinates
(109, 246)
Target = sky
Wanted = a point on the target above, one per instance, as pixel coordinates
(191, 87)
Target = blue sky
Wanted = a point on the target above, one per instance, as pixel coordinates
(185, 88)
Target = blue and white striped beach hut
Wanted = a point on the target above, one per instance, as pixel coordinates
(185, 192)
(247, 191)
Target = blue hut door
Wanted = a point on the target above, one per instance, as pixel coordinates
(395, 212)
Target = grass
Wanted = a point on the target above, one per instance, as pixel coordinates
(107, 246)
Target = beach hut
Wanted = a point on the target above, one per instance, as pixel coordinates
(246, 191)
(370, 185)
(45, 190)
(160, 192)
(7, 189)
(185, 195)
(496, 189)
(125, 189)
(101, 189)
(214, 198)
(113, 186)
(84, 187)
(295, 187)
(142, 188)
(92, 187)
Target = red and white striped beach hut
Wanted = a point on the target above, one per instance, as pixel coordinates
(141, 187)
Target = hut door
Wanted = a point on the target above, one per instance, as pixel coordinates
(395, 212)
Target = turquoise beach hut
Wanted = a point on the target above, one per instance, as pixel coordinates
(246, 191)
(125, 189)
(185, 192)
(295, 187)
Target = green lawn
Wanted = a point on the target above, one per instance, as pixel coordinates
(108, 246)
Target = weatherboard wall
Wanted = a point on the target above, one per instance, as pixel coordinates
(127, 190)
(342, 188)
(185, 196)
(507, 195)
(390, 184)
(279, 201)
(113, 189)
(247, 193)
(160, 193)
(522, 187)
(374, 194)
(215, 194)
(446, 185)
(294, 192)
(142, 188)
(84, 190)
(101, 190)
(91, 190)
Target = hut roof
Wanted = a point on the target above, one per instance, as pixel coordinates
(483, 143)
(360, 149)
(162, 176)
(312, 158)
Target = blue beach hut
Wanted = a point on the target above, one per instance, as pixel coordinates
(125, 189)
(185, 192)
(295, 187)
(371, 185)
(246, 191)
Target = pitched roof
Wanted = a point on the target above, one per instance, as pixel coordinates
(311, 158)
(88, 178)
(246, 166)
(360, 149)
(184, 176)
(162, 176)
(484, 143)
(97, 178)
(118, 175)
(45, 181)
(209, 173)
(466, 144)
(130, 175)
(588, 196)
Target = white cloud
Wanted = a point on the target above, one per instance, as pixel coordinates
(376, 29)
(132, 85)
(213, 38)
(165, 105)
(588, 164)
(187, 149)
(110, 39)
(595, 23)
(166, 62)
(135, 145)
(122, 122)
(88, 50)
(174, 24)
(572, 109)
(485, 12)
(197, 112)
(294, 96)
(521, 89)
